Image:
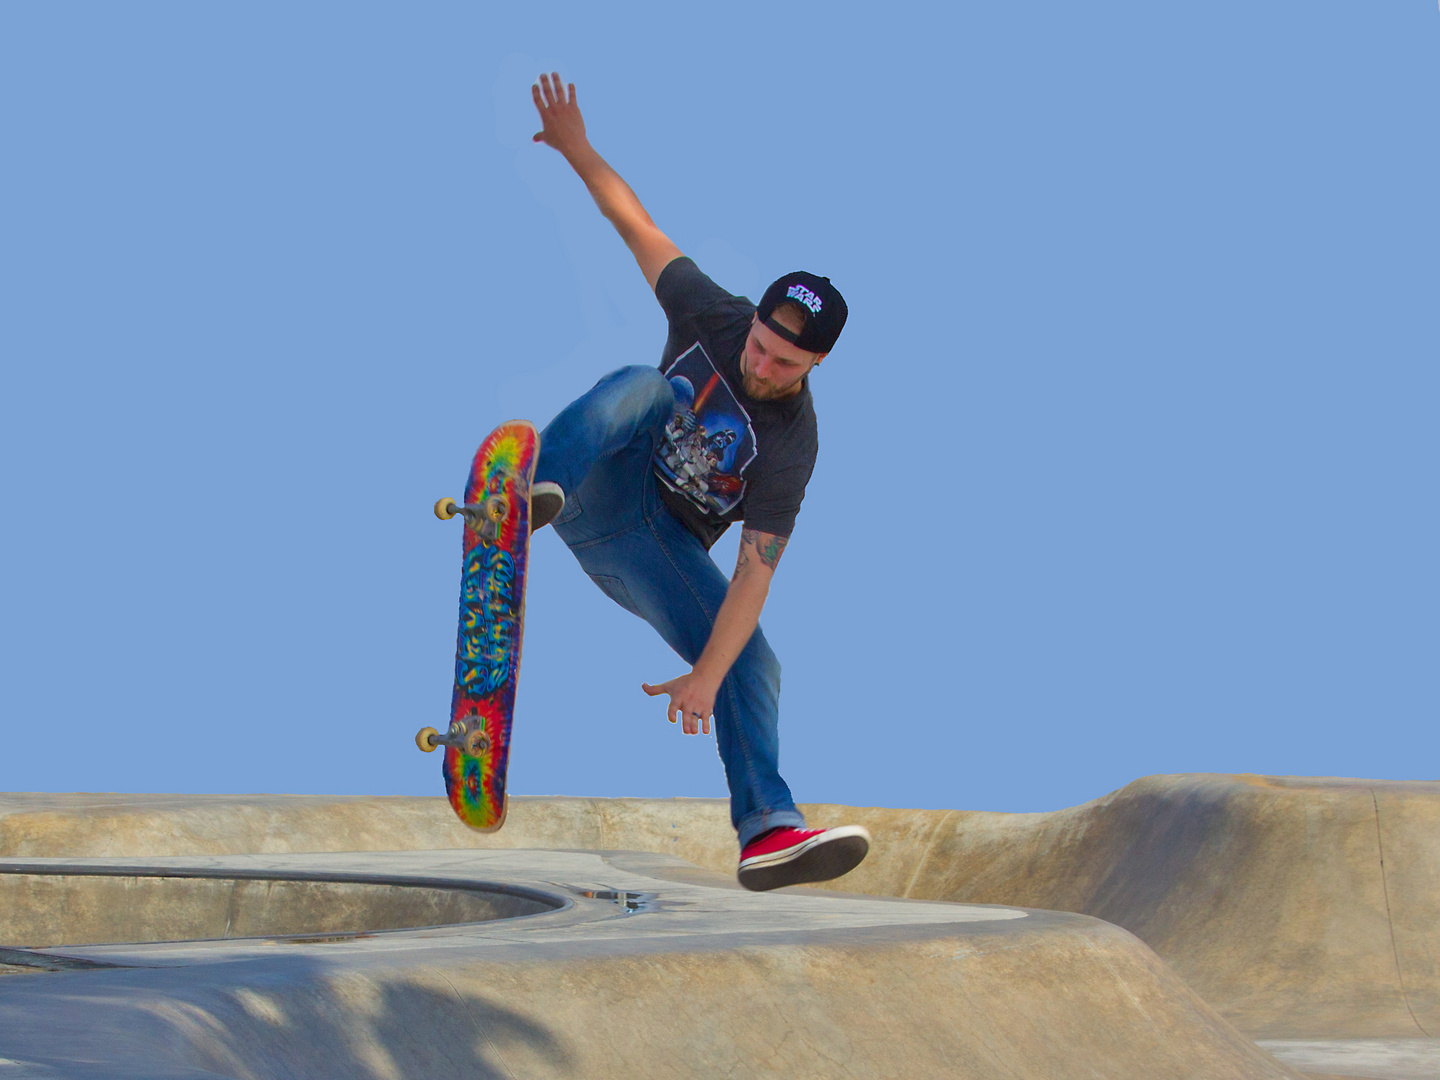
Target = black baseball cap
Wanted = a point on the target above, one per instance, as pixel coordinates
(823, 302)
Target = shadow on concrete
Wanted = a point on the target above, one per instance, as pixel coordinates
(274, 1017)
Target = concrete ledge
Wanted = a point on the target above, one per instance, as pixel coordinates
(48, 904)
(650, 970)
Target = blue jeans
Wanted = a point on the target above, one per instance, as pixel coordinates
(598, 450)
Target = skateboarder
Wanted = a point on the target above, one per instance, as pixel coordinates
(641, 475)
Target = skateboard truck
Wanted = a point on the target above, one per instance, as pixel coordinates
(461, 737)
(484, 516)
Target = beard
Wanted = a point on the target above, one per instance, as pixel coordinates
(762, 391)
(756, 389)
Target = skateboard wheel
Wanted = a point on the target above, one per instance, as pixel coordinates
(427, 739)
(444, 510)
(477, 742)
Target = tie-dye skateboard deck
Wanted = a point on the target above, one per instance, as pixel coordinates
(496, 551)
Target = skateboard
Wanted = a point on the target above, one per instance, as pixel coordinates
(495, 553)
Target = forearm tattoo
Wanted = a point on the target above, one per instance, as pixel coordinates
(768, 547)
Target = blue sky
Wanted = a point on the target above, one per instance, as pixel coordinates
(1128, 453)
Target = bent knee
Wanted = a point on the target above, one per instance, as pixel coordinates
(646, 391)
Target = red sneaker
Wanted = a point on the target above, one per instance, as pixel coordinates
(789, 856)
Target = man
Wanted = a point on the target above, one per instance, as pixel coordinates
(642, 474)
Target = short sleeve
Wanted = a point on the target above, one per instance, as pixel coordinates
(684, 291)
(773, 501)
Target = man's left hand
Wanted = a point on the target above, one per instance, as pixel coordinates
(692, 700)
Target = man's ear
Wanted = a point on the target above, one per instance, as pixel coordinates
(820, 357)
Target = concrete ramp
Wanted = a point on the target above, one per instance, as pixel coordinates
(1303, 911)
(1295, 906)
(639, 970)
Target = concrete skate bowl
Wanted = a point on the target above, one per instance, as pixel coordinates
(1296, 907)
(134, 905)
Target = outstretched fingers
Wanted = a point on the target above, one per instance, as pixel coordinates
(551, 90)
(559, 117)
(682, 706)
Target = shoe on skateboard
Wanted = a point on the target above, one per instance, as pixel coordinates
(495, 552)
(787, 856)
(546, 502)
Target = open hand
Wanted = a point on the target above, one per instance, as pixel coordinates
(692, 700)
(564, 126)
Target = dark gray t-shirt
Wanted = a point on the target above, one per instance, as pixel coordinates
(725, 456)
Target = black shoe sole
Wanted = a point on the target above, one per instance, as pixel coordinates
(820, 863)
(543, 510)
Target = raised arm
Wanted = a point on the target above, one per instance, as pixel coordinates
(564, 129)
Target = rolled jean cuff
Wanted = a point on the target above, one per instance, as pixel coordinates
(752, 825)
